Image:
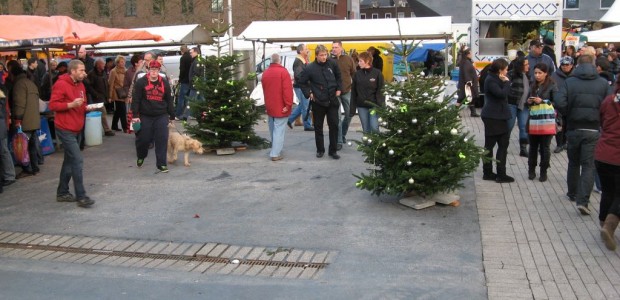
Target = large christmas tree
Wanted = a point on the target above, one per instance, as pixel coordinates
(422, 146)
(223, 110)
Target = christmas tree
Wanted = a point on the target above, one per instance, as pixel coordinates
(223, 110)
(422, 146)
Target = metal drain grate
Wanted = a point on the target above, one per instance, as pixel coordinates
(209, 258)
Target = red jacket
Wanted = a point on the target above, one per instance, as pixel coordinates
(278, 91)
(608, 146)
(64, 91)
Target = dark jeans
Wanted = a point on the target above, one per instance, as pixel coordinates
(72, 164)
(502, 142)
(580, 173)
(539, 143)
(610, 182)
(120, 114)
(319, 113)
(560, 137)
(181, 109)
(153, 129)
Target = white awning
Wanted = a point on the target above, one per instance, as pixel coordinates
(613, 14)
(348, 30)
(607, 35)
(172, 36)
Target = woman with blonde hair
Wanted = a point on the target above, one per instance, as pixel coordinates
(117, 77)
(367, 93)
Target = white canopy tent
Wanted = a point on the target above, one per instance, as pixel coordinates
(613, 14)
(192, 34)
(348, 30)
(607, 35)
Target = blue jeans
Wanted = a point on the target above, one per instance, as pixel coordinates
(182, 104)
(276, 131)
(301, 109)
(521, 116)
(344, 120)
(580, 173)
(370, 123)
(194, 96)
(72, 164)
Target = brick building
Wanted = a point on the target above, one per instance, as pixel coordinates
(148, 13)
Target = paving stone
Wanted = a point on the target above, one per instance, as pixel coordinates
(158, 248)
(183, 265)
(205, 249)
(281, 272)
(92, 243)
(242, 253)
(307, 273)
(227, 269)
(60, 241)
(10, 236)
(30, 239)
(4, 234)
(120, 261)
(214, 268)
(154, 263)
(169, 248)
(254, 270)
(306, 257)
(595, 291)
(193, 250)
(202, 267)
(267, 271)
(42, 255)
(18, 237)
(147, 247)
(255, 253)
(240, 270)
(180, 250)
(294, 272)
(135, 246)
(141, 263)
(123, 246)
(230, 252)
(166, 263)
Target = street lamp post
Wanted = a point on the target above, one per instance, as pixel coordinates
(230, 28)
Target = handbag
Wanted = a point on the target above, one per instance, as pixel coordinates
(121, 93)
(542, 119)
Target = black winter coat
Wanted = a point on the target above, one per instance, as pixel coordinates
(322, 80)
(367, 87)
(99, 86)
(467, 73)
(496, 98)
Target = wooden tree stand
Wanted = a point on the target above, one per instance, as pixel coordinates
(418, 202)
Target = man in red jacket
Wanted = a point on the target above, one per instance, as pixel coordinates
(69, 104)
(278, 92)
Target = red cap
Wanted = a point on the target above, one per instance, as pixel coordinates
(154, 65)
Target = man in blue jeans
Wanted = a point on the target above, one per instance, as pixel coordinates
(579, 99)
(301, 61)
(347, 70)
(69, 104)
(186, 62)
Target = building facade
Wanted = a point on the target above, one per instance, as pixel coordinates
(209, 13)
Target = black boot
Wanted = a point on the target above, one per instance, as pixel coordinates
(531, 174)
(474, 114)
(543, 175)
(503, 178)
(523, 150)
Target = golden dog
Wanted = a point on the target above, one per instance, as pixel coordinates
(181, 142)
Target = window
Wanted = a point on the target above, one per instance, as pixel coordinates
(388, 15)
(606, 4)
(4, 7)
(375, 15)
(158, 7)
(131, 8)
(401, 14)
(27, 5)
(104, 8)
(78, 8)
(363, 16)
(51, 7)
(571, 4)
(187, 6)
(217, 6)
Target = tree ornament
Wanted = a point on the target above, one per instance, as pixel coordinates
(411, 181)
(383, 145)
(391, 152)
(380, 120)
(399, 93)
(216, 134)
(223, 120)
(403, 108)
(465, 140)
(399, 131)
(215, 91)
(414, 121)
(436, 132)
(219, 78)
(425, 94)
(369, 141)
(454, 131)
(409, 163)
(462, 156)
(364, 138)
(197, 92)
(373, 112)
(349, 144)
(384, 124)
(359, 183)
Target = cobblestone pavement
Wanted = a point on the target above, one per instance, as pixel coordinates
(535, 244)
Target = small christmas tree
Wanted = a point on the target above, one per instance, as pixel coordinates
(223, 110)
(422, 146)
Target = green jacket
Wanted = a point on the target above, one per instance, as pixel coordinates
(26, 103)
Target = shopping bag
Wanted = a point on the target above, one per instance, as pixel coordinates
(542, 119)
(19, 145)
(45, 137)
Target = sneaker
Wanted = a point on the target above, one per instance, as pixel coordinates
(334, 156)
(583, 210)
(489, 176)
(65, 198)
(110, 133)
(504, 179)
(85, 202)
(276, 158)
(558, 149)
(163, 169)
(140, 162)
(339, 147)
(320, 154)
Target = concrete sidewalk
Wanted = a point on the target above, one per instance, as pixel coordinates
(535, 244)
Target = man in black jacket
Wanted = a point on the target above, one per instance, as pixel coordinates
(98, 81)
(322, 84)
(579, 99)
(184, 65)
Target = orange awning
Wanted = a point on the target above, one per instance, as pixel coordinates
(73, 32)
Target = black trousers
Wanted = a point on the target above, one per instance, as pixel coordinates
(610, 186)
(153, 129)
(320, 112)
(539, 144)
(120, 113)
(34, 151)
(502, 142)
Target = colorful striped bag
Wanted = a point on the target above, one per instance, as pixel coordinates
(542, 119)
(20, 147)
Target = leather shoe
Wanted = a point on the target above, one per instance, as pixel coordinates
(85, 202)
(289, 124)
(320, 154)
(276, 158)
(110, 133)
(489, 176)
(8, 182)
(334, 156)
(24, 174)
(504, 179)
(339, 147)
(308, 129)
